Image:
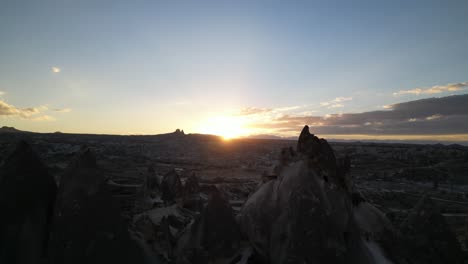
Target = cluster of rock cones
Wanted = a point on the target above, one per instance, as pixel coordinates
(308, 212)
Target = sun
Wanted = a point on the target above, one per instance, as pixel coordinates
(228, 127)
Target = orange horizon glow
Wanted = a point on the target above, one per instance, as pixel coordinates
(227, 127)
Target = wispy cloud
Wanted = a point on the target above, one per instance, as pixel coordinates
(336, 103)
(451, 87)
(433, 117)
(55, 69)
(62, 110)
(43, 118)
(253, 111)
(248, 111)
(289, 108)
(2, 93)
(30, 113)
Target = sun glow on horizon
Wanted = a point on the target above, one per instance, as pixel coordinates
(228, 127)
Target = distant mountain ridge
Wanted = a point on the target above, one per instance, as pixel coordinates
(179, 133)
(7, 129)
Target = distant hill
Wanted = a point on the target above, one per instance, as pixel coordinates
(6, 129)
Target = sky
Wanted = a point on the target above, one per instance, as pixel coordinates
(235, 68)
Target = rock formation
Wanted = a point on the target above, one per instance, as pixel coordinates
(191, 194)
(151, 184)
(159, 226)
(27, 195)
(427, 237)
(214, 235)
(149, 193)
(171, 187)
(306, 214)
(87, 225)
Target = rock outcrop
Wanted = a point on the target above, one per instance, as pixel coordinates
(306, 214)
(171, 187)
(191, 194)
(151, 184)
(160, 226)
(150, 192)
(214, 235)
(27, 195)
(87, 225)
(427, 237)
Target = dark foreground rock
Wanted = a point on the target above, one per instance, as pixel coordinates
(27, 195)
(306, 214)
(213, 236)
(87, 225)
(171, 187)
(427, 238)
(191, 194)
(151, 183)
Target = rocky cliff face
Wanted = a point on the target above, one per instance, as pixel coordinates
(306, 215)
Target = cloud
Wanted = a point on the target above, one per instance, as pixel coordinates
(446, 115)
(246, 111)
(336, 103)
(451, 87)
(55, 69)
(62, 110)
(289, 108)
(433, 117)
(2, 93)
(43, 118)
(253, 111)
(30, 113)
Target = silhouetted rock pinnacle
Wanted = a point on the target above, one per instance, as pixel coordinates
(191, 194)
(27, 195)
(152, 185)
(87, 226)
(171, 187)
(214, 233)
(306, 215)
(179, 132)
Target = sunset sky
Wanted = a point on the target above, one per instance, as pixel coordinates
(351, 69)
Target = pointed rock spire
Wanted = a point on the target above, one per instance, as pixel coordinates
(87, 226)
(214, 233)
(171, 187)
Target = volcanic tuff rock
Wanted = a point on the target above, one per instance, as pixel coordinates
(151, 183)
(213, 235)
(427, 237)
(149, 193)
(171, 187)
(306, 214)
(191, 194)
(27, 195)
(87, 226)
(159, 227)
